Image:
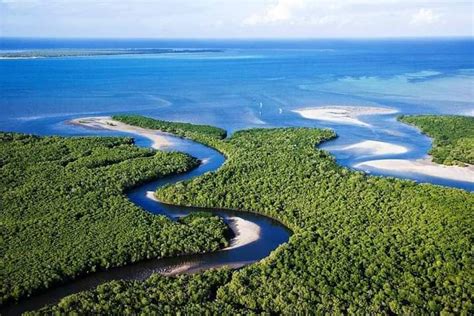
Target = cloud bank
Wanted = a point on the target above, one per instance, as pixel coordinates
(236, 18)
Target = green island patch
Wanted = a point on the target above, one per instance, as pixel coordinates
(188, 130)
(453, 136)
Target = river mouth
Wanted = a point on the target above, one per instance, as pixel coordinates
(255, 236)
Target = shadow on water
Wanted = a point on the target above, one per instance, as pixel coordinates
(272, 234)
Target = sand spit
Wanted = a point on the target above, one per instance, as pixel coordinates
(159, 141)
(422, 166)
(343, 114)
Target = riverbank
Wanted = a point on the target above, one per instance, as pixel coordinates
(343, 114)
(159, 140)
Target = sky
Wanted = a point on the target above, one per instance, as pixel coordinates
(236, 18)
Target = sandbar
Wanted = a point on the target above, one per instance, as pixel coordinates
(421, 166)
(159, 140)
(246, 232)
(343, 114)
(372, 147)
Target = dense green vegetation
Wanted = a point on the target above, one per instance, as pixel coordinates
(159, 295)
(361, 244)
(64, 213)
(181, 129)
(55, 53)
(453, 136)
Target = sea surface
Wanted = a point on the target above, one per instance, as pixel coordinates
(243, 85)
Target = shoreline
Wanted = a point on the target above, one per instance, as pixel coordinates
(159, 141)
(425, 167)
(343, 114)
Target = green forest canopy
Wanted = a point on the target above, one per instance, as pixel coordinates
(180, 129)
(453, 136)
(361, 244)
(64, 212)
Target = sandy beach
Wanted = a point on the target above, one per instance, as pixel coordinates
(373, 148)
(342, 114)
(422, 166)
(159, 141)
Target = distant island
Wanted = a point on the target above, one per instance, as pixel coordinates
(55, 53)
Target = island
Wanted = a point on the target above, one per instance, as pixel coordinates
(57, 53)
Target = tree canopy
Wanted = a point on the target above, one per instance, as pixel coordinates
(64, 212)
(361, 244)
(453, 136)
(181, 129)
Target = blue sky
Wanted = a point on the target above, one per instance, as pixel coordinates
(235, 18)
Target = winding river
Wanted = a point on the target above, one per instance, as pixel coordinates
(255, 235)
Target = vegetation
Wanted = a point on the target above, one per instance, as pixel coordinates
(55, 53)
(361, 244)
(199, 132)
(159, 295)
(64, 212)
(453, 137)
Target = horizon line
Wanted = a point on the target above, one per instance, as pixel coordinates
(240, 38)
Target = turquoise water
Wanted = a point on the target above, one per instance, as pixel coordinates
(248, 84)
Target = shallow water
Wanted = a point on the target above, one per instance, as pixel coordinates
(249, 84)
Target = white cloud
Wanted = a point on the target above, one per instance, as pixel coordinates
(235, 18)
(425, 16)
(283, 10)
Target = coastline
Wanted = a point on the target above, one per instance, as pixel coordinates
(159, 141)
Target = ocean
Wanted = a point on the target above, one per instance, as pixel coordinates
(246, 84)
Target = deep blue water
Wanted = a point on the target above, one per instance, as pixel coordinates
(249, 84)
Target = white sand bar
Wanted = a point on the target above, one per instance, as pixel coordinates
(246, 232)
(159, 141)
(422, 166)
(372, 147)
(342, 114)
